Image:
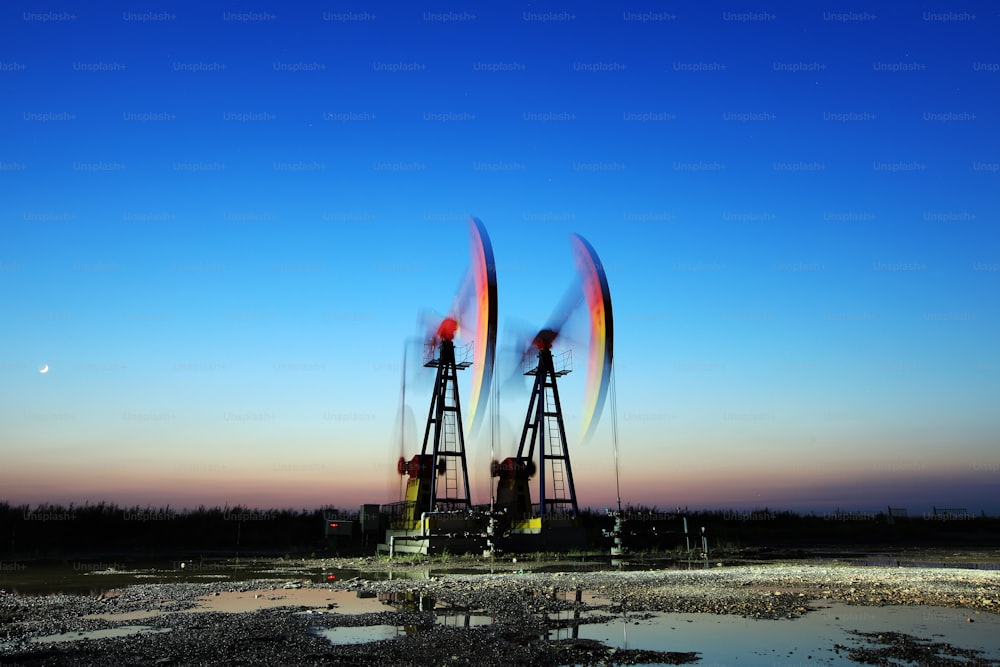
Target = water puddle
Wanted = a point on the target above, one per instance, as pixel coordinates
(123, 631)
(830, 635)
(371, 633)
(342, 602)
(462, 619)
(125, 616)
(443, 614)
(312, 600)
(361, 634)
(94, 578)
(821, 637)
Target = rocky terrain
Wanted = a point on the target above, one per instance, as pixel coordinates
(526, 610)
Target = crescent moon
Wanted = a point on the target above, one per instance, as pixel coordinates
(44, 369)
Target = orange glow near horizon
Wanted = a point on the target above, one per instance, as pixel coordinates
(596, 491)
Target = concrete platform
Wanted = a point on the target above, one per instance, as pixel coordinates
(417, 542)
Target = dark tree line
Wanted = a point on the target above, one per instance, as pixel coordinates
(51, 531)
(765, 527)
(48, 530)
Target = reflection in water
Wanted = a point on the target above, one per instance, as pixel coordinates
(821, 637)
(414, 601)
(810, 639)
(372, 633)
(566, 624)
(360, 634)
(407, 601)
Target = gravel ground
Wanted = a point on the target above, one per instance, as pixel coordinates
(525, 608)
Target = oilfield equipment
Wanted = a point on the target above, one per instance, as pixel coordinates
(437, 510)
(551, 522)
(437, 513)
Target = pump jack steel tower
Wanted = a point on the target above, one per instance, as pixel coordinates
(543, 427)
(443, 436)
(437, 510)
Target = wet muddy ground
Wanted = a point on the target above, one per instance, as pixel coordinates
(475, 612)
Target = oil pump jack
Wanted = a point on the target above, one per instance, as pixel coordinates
(544, 430)
(437, 505)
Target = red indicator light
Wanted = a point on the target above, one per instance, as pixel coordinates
(331, 577)
(333, 525)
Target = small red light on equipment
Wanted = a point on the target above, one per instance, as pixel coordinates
(331, 577)
(333, 525)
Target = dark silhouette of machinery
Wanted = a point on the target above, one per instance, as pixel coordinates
(544, 432)
(543, 449)
(439, 474)
(437, 503)
(437, 511)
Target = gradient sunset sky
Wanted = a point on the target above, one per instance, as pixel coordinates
(220, 222)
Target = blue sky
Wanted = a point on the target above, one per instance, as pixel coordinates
(220, 221)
